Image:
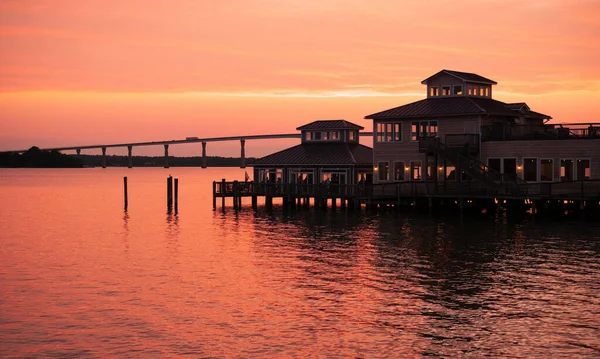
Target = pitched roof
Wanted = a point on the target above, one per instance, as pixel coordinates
(465, 76)
(517, 106)
(320, 154)
(451, 106)
(330, 125)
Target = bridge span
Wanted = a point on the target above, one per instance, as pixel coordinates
(166, 144)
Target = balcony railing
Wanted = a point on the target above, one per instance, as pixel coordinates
(504, 132)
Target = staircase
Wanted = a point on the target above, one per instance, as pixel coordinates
(497, 183)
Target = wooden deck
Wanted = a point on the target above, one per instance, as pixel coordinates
(402, 191)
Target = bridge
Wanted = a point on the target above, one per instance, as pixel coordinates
(166, 145)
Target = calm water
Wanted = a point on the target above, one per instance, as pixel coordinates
(79, 277)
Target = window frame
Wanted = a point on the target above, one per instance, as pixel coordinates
(415, 136)
(379, 162)
(573, 172)
(536, 166)
(577, 172)
(454, 92)
(403, 170)
(540, 169)
(388, 137)
(411, 170)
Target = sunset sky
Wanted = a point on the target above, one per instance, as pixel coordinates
(95, 72)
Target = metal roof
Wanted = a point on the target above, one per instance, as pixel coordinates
(448, 106)
(465, 76)
(320, 154)
(330, 125)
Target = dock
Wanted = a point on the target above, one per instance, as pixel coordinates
(559, 196)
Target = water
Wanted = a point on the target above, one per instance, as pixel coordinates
(79, 277)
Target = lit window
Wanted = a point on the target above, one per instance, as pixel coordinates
(397, 132)
(458, 90)
(335, 135)
(423, 129)
(451, 173)
(433, 91)
(583, 170)
(389, 132)
(415, 171)
(487, 91)
(445, 90)
(470, 89)
(351, 135)
(481, 91)
(307, 136)
(325, 135)
(384, 171)
(399, 171)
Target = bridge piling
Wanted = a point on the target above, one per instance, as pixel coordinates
(103, 157)
(129, 157)
(166, 156)
(243, 153)
(203, 154)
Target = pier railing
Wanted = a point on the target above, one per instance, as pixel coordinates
(588, 190)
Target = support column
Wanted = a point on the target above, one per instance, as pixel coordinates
(203, 154)
(243, 153)
(166, 156)
(103, 157)
(78, 151)
(129, 158)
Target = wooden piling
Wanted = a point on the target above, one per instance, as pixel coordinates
(254, 202)
(169, 192)
(125, 192)
(214, 194)
(223, 193)
(235, 194)
(176, 194)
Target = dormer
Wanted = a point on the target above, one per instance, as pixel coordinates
(337, 131)
(455, 83)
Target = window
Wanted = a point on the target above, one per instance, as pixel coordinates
(307, 136)
(510, 167)
(458, 90)
(389, 132)
(335, 135)
(487, 91)
(317, 136)
(546, 170)
(420, 129)
(445, 90)
(399, 171)
(384, 171)
(481, 90)
(470, 89)
(397, 131)
(351, 135)
(433, 91)
(566, 170)
(415, 171)
(530, 169)
(325, 135)
(494, 164)
(451, 173)
(583, 170)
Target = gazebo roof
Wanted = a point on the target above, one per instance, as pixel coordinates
(320, 154)
(330, 125)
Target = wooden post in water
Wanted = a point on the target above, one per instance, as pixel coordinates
(223, 190)
(235, 194)
(126, 202)
(214, 195)
(169, 192)
(176, 194)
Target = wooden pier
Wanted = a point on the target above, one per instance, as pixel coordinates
(457, 195)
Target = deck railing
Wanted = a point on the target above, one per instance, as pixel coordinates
(504, 132)
(589, 189)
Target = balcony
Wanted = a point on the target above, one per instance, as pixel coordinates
(504, 132)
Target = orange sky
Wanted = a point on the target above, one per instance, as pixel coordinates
(88, 72)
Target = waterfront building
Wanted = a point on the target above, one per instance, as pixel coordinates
(329, 152)
(460, 133)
